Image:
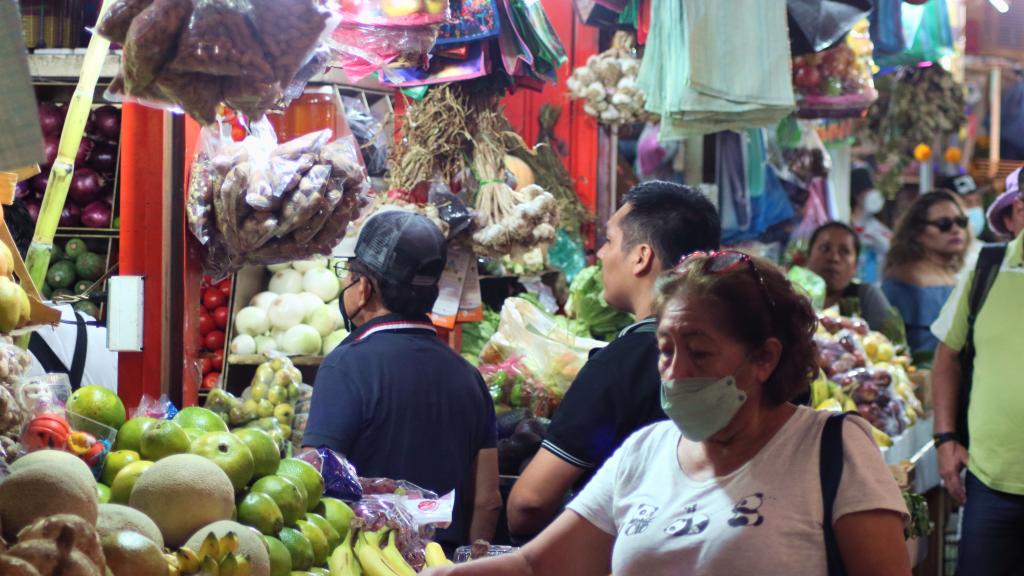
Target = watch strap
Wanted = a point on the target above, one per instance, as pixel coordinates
(943, 437)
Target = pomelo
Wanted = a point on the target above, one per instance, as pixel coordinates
(163, 439)
(129, 437)
(229, 453)
(201, 418)
(98, 403)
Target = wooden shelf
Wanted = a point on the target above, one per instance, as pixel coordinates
(81, 232)
(67, 64)
(257, 359)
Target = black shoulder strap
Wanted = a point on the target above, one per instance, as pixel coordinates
(81, 347)
(985, 272)
(831, 471)
(51, 363)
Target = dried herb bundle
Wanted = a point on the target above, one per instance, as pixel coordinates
(434, 139)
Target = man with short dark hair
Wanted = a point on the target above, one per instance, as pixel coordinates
(395, 399)
(617, 391)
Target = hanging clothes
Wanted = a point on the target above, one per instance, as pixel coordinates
(731, 176)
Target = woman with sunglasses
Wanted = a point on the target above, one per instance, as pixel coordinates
(927, 253)
(732, 482)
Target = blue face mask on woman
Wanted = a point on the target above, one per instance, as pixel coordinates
(976, 216)
(700, 407)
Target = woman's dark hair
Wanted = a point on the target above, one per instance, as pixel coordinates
(906, 246)
(752, 313)
(835, 225)
(674, 219)
(19, 222)
(400, 299)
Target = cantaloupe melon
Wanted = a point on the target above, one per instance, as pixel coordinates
(39, 491)
(115, 517)
(250, 542)
(181, 494)
(72, 464)
(132, 554)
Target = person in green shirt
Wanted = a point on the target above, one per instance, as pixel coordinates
(993, 493)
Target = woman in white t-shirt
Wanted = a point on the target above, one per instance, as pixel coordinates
(730, 484)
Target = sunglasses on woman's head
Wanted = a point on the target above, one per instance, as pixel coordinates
(724, 262)
(945, 224)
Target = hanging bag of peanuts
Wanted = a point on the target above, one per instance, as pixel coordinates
(607, 84)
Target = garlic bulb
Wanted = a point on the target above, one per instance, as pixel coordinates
(607, 84)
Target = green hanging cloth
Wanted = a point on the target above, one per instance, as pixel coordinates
(628, 17)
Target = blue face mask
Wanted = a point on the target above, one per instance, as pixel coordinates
(701, 407)
(976, 216)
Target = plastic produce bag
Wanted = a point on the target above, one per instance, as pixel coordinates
(207, 175)
(340, 478)
(362, 49)
(511, 385)
(395, 13)
(810, 283)
(566, 254)
(550, 352)
(836, 83)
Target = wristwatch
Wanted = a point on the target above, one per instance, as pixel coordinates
(943, 437)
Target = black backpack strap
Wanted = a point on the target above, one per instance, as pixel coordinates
(51, 363)
(78, 359)
(831, 471)
(985, 273)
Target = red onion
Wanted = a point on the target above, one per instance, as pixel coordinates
(84, 151)
(71, 215)
(50, 144)
(86, 186)
(33, 208)
(108, 122)
(51, 119)
(22, 190)
(103, 158)
(96, 215)
(39, 181)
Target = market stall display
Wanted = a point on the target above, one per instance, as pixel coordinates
(837, 82)
(213, 323)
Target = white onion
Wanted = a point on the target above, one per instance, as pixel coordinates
(286, 282)
(339, 320)
(252, 321)
(243, 344)
(278, 336)
(301, 339)
(263, 300)
(310, 302)
(286, 311)
(278, 267)
(332, 340)
(322, 320)
(306, 265)
(322, 282)
(266, 344)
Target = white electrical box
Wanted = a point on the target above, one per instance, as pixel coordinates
(124, 313)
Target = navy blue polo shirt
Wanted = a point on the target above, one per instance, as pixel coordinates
(399, 403)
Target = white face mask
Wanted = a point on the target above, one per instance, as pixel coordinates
(976, 215)
(701, 407)
(874, 202)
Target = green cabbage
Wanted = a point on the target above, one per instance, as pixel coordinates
(587, 305)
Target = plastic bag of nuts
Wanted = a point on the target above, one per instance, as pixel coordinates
(115, 24)
(221, 40)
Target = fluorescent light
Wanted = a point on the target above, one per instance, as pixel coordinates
(1000, 5)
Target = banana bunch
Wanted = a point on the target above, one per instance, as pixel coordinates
(15, 307)
(216, 557)
(342, 561)
(435, 556)
(377, 559)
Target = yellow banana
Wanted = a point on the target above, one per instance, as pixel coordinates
(342, 561)
(370, 556)
(209, 567)
(227, 545)
(236, 565)
(188, 560)
(436, 556)
(210, 548)
(393, 558)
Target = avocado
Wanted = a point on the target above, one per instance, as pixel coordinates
(47, 290)
(89, 308)
(90, 266)
(61, 274)
(508, 421)
(75, 248)
(56, 253)
(82, 286)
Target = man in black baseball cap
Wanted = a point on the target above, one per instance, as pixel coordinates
(393, 398)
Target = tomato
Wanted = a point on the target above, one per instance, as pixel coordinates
(207, 365)
(214, 340)
(213, 299)
(225, 286)
(206, 324)
(220, 317)
(218, 359)
(211, 380)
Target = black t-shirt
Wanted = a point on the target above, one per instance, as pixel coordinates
(617, 392)
(399, 403)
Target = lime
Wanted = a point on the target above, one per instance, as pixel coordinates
(98, 403)
(280, 557)
(299, 547)
(317, 539)
(261, 512)
(264, 450)
(163, 439)
(333, 538)
(338, 513)
(129, 437)
(121, 489)
(305, 473)
(117, 460)
(229, 453)
(102, 493)
(286, 493)
(201, 418)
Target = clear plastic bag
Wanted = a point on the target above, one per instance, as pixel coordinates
(115, 24)
(151, 43)
(340, 478)
(221, 40)
(207, 175)
(160, 408)
(836, 83)
(363, 49)
(395, 12)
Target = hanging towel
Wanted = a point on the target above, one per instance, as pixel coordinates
(730, 174)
